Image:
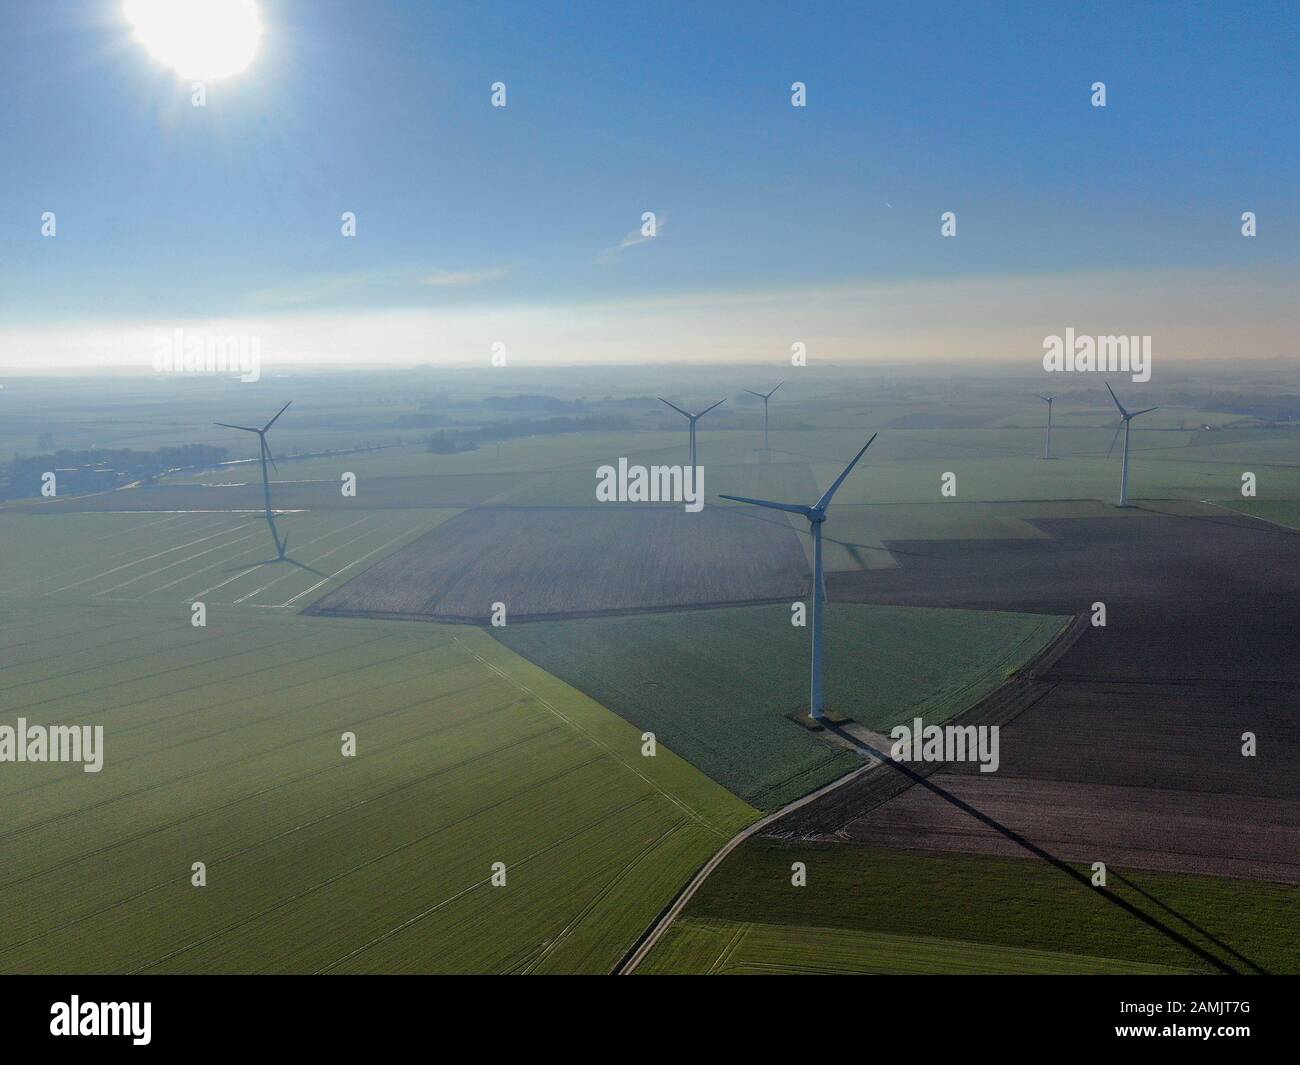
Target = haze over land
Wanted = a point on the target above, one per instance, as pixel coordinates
(324, 326)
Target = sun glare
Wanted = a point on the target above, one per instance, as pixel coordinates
(200, 39)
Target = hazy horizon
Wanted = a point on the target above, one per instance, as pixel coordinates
(522, 225)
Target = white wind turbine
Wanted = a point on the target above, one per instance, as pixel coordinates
(816, 515)
(1126, 418)
(693, 418)
(1047, 445)
(765, 396)
(280, 545)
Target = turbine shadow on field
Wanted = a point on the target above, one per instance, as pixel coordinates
(272, 561)
(851, 546)
(1034, 849)
(1190, 923)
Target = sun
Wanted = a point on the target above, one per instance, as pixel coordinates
(199, 39)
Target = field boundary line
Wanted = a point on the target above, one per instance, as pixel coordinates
(1247, 514)
(652, 937)
(585, 732)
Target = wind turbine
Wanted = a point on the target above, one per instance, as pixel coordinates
(765, 397)
(816, 514)
(1047, 446)
(693, 419)
(280, 545)
(1126, 418)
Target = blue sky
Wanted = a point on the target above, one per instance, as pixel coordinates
(230, 211)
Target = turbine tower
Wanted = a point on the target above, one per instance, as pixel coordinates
(1125, 419)
(765, 397)
(280, 545)
(693, 418)
(816, 514)
(1047, 445)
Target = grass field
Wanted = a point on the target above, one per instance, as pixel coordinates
(748, 948)
(218, 558)
(715, 684)
(870, 909)
(223, 745)
(1279, 511)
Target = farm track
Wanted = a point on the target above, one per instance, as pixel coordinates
(870, 784)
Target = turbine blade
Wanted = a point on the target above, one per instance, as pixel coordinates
(1115, 398)
(773, 392)
(674, 407)
(246, 428)
(1114, 438)
(1046, 399)
(269, 455)
(1147, 411)
(753, 393)
(277, 414)
(825, 500)
(790, 507)
(707, 409)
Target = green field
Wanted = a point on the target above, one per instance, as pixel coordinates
(223, 743)
(1278, 511)
(223, 746)
(714, 685)
(868, 909)
(217, 558)
(750, 948)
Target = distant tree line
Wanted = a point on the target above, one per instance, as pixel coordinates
(466, 438)
(533, 404)
(24, 472)
(1278, 407)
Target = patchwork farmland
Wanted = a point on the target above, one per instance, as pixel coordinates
(525, 744)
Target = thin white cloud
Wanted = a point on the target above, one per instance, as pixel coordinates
(1222, 313)
(311, 291)
(339, 288)
(462, 278)
(632, 239)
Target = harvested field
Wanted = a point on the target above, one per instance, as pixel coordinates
(1131, 748)
(578, 562)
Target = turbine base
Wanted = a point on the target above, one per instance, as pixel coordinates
(804, 719)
